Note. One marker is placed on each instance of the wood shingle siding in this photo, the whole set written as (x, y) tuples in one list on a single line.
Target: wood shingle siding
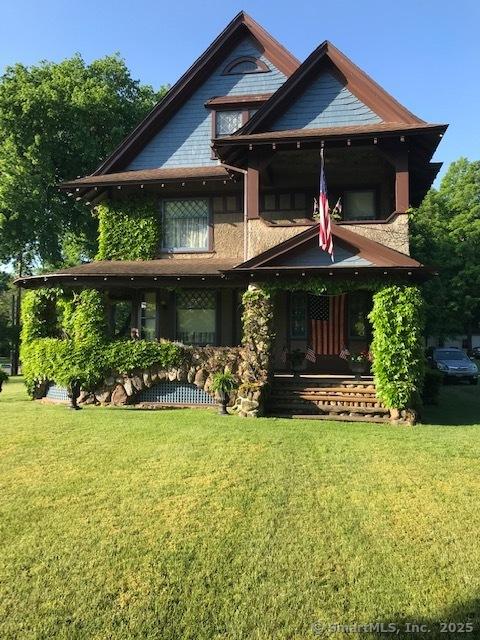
[(325, 103), (185, 139)]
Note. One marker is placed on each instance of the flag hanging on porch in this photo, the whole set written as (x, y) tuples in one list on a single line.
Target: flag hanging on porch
[(321, 212), (327, 318)]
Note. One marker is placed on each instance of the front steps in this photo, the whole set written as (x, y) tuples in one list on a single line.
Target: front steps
[(320, 398)]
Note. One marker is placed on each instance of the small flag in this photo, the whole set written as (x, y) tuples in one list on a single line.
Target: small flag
[(310, 354), (344, 353), (336, 213), (324, 228)]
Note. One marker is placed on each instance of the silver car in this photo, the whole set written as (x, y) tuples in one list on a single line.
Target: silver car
[(455, 365)]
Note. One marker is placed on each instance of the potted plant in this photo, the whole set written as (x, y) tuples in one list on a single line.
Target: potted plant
[(3, 378), (223, 384), (359, 363)]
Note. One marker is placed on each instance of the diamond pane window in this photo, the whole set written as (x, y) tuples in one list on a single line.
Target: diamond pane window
[(185, 225), (228, 122), (196, 316)]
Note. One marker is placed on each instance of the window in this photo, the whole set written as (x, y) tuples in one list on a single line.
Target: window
[(359, 205), (185, 225), (298, 315), (148, 316), (227, 204), (245, 64), (289, 201), (227, 122), (196, 316)]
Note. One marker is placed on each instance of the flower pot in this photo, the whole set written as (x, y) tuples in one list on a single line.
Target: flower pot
[(223, 399)]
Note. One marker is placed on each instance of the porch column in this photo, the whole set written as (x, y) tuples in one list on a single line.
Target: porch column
[(253, 191), (402, 196)]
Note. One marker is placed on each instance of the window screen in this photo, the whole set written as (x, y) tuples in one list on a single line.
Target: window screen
[(359, 205)]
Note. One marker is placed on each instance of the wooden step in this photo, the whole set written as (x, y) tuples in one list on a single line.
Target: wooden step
[(333, 418), (320, 397), (326, 408), (282, 389)]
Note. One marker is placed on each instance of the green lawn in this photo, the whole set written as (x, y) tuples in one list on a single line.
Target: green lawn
[(183, 524)]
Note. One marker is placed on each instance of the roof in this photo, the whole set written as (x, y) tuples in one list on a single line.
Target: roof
[(238, 99), (332, 132), (240, 26), (368, 253), (143, 270), (356, 80), (146, 176)]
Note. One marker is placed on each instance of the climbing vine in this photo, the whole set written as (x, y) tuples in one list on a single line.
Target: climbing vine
[(398, 359), (128, 229)]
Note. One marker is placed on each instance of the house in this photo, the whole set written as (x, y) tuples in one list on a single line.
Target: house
[(220, 178)]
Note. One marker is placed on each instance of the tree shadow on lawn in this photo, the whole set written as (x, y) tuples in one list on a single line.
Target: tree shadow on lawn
[(459, 404), (461, 620)]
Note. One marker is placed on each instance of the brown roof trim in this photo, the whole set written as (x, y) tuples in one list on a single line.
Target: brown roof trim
[(241, 25), (149, 176), (254, 98), (375, 252), (139, 271), (356, 80), (332, 133)]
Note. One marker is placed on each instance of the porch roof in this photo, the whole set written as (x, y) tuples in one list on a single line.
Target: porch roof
[(134, 273), (148, 176)]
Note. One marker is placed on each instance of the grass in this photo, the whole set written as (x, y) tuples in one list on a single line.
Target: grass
[(186, 525)]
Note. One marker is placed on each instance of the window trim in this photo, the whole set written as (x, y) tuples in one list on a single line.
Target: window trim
[(291, 192), (209, 247), (260, 66)]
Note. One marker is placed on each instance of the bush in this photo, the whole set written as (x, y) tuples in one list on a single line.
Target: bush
[(398, 360)]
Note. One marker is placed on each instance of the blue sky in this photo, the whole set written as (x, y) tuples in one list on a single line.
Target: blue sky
[(425, 52)]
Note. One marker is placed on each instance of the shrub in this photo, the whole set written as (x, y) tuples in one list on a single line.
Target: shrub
[(398, 360)]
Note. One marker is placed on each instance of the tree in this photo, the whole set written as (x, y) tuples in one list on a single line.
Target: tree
[(57, 122), (445, 233), (6, 331)]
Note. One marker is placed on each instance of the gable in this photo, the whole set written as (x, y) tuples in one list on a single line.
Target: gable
[(185, 140), (325, 102), (310, 255)]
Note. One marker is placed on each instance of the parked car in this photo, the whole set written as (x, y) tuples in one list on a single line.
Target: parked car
[(454, 364), (476, 352)]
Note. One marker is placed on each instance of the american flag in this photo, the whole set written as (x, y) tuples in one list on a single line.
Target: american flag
[(325, 239), (327, 317), (310, 354)]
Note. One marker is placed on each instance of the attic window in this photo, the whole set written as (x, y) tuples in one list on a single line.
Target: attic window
[(245, 64)]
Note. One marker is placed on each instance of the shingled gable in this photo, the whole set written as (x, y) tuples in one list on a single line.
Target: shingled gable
[(242, 25), (328, 58), (353, 251)]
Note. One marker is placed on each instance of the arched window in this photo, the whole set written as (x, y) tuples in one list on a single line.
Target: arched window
[(245, 64)]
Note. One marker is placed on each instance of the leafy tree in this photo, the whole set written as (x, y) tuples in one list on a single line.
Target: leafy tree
[(446, 234), (6, 331), (57, 122)]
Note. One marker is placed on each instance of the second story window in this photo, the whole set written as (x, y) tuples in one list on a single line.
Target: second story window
[(185, 225), (227, 122), (359, 204)]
